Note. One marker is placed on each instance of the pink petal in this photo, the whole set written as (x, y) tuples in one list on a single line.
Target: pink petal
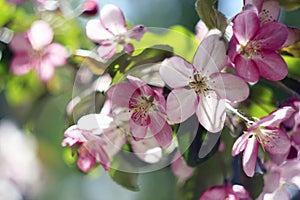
[(257, 3), (40, 34), (279, 142), (113, 19), (271, 65), (270, 11), (161, 130), (20, 43), (121, 93), (45, 70), (94, 122), (180, 168), (211, 112), (276, 117), (115, 140), (137, 131), (56, 54), (176, 72), (85, 161), (137, 32), (147, 149), (271, 35), (292, 37), (240, 192), (246, 69), (97, 32), (280, 193), (250, 156), (245, 26), (229, 87), (240, 144), (96, 150), (201, 30), (290, 172), (90, 7), (232, 48), (216, 192), (181, 104), (272, 181), (107, 51), (210, 56), (21, 64)]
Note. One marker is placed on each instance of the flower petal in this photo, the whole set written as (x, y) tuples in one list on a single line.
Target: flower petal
[(56, 54), (44, 69), (40, 34), (276, 117), (113, 19), (20, 64), (245, 26), (20, 43), (94, 122), (229, 87), (180, 168), (216, 192), (211, 112), (95, 149), (161, 130), (136, 32), (137, 131), (115, 140), (176, 71), (97, 32), (271, 65), (278, 143), (292, 37), (181, 104), (269, 12), (85, 161), (272, 35), (240, 144), (246, 69), (147, 149), (250, 156), (107, 51), (201, 30), (210, 56), (121, 93), (128, 48)]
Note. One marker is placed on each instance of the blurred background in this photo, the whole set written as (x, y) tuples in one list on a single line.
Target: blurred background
[(33, 164)]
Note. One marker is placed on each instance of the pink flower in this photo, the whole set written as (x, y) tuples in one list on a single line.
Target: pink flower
[(111, 31), (34, 50), (269, 11), (91, 146), (230, 192), (265, 132), (201, 87), (253, 48), (146, 107), (90, 7), (278, 177)]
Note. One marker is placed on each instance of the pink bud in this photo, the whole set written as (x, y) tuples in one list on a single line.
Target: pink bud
[(90, 8)]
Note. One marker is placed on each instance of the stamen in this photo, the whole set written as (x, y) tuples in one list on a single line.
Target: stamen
[(199, 84)]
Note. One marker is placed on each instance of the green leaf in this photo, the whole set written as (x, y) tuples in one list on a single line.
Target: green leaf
[(126, 178), (210, 15), (289, 4), (7, 12)]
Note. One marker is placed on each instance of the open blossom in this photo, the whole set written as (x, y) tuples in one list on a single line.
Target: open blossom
[(91, 146), (147, 108), (253, 48), (34, 50), (201, 87), (110, 31), (230, 192), (264, 132), (278, 178)]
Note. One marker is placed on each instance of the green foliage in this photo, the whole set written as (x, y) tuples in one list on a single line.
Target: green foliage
[(210, 15), (127, 179), (289, 4), (7, 12)]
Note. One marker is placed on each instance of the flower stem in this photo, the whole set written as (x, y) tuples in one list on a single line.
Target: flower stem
[(235, 111)]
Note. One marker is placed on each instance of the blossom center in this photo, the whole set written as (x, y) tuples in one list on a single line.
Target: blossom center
[(252, 48), (265, 137), (141, 108), (199, 84), (120, 39)]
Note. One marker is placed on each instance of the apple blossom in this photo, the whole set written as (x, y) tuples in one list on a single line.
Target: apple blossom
[(230, 192), (34, 50), (278, 177), (265, 132), (253, 48), (147, 108), (180, 168), (201, 87), (110, 31)]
